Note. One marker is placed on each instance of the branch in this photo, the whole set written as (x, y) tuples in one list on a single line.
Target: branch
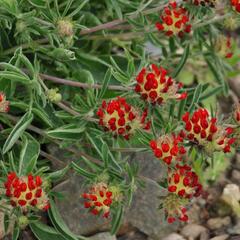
[(81, 85), (117, 22)]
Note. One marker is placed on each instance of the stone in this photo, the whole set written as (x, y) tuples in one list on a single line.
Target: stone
[(174, 236), (195, 231), (231, 195), (217, 223), (146, 200), (236, 176), (144, 205), (222, 237), (235, 229), (103, 236)]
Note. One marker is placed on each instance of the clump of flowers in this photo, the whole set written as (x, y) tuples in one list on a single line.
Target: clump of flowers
[(121, 118), (204, 131), (174, 208), (26, 191), (168, 148), (174, 20), (4, 104), (223, 46), (155, 86), (99, 199), (183, 185), (236, 5), (205, 3), (184, 182)]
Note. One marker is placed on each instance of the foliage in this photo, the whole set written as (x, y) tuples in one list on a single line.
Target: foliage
[(71, 69)]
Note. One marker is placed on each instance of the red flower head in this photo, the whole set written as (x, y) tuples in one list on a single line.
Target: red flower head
[(99, 199), (205, 3), (168, 148), (121, 118), (155, 86), (184, 182), (223, 46), (236, 5), (204, 131), (26, 192), (174, 208), (4, 105), (174, 20), (237, 113)]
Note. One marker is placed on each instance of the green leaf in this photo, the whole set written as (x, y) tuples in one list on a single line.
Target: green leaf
[(106, 81), (28, 156), (14, 77), (54, 176), (60, 225), (67, 134), (105, 151), (6, 222), (82, 171), (196, 97), (38, 3), (44, 232), (16, 232), (116, 221), (17, 131), (218, 76), (182, 62)]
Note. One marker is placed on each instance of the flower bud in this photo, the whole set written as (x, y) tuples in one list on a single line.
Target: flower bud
[(23, 222), (174, 20), (54, 96), (156, 87), (230, 23), (65, 28), (4, 104), (223, 46), (63, 54)]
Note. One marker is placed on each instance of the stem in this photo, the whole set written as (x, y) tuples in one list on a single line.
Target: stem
[(79, 84), (212, 20), (116, 22)]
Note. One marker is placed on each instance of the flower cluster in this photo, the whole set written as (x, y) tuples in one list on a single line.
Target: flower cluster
[(121, 118), (26, 191), (183, 184), (223, 46), (236, 5), (205, 3), (155, 86), (174, 208), (204, 131), (99, 199), (174, 20), (4, 104), (168, 148)]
